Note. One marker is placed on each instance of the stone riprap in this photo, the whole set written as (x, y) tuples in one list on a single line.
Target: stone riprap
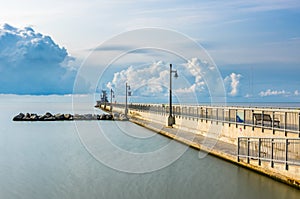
[(65, 117)]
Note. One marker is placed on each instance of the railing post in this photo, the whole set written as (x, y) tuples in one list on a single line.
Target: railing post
[(286, 153), (223, 116), (299, 125), (248, 150), (244, 119), (262, 121), (273, 118), (217, 115), (272, 153), (236, 124), (285, 123), (211, 115), (238, 149), (259, 148), (229, 121), (252, 111), (201, 113), (206, 114)]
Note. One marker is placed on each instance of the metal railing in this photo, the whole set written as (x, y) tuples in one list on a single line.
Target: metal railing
[(278, 119), (274, 150)]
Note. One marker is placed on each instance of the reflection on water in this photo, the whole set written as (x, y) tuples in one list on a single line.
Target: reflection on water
[(47, 160)]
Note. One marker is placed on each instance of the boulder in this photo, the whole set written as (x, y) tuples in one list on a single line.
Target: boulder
[(105, 117), (78, 117), (19, 117), (101, 117), (109, 117), (122, 117), (51, 118), (88, 116), (47, 116), (59, 116), (27, 117), (68, 117), (33, 117)]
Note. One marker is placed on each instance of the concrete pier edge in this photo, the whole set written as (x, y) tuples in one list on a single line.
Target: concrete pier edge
[(227, 157), (217, 153)]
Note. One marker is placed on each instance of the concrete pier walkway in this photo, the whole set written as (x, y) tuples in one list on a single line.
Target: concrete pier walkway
[(275, 153), (214, 147), (194, 140)]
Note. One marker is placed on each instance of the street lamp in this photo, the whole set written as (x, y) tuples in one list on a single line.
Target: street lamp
[(171, 118), (128, 93), (112, 95)]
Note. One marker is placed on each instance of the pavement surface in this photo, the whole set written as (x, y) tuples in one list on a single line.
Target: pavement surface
[(207, 144)]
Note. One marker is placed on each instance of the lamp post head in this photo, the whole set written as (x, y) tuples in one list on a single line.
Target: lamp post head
[(176, 75)]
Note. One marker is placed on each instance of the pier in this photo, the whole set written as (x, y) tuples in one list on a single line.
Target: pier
[(262, 139)]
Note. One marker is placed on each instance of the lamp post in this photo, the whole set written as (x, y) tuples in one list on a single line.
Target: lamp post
[(112, 95), (171, 118), (127, 91)]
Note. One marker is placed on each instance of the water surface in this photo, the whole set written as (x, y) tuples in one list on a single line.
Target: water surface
[(48, 160)]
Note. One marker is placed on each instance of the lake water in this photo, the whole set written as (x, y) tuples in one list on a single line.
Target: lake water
[(52, 160)]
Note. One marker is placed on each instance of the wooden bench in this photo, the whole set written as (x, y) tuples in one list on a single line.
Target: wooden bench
[(262, 118)]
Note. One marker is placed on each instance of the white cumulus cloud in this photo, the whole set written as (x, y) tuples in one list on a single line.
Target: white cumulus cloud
[(32, 63), (270, 92), (146, 80), (233, 80), (153, 80), (193, 67)]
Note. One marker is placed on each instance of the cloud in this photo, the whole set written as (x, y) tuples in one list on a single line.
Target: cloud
[(147, 81), (270, 92), (193, 67), (234, 80), (266, 5), (296, 93), (153, 79), (32, 63), (248, 95)]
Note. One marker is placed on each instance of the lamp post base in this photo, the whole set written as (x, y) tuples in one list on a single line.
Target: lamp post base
[(170, 121)]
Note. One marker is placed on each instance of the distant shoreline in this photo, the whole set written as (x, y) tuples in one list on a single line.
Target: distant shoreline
[(95, 96)]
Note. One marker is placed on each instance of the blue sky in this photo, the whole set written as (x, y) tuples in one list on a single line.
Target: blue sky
[(255, 44)]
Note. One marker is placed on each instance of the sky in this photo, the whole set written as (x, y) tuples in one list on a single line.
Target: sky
[(254, 44)]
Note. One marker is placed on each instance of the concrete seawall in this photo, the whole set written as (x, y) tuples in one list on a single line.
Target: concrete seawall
[(224, 136)]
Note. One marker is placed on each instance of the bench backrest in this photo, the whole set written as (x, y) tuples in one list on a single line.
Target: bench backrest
[(267, 117), (258, 117)]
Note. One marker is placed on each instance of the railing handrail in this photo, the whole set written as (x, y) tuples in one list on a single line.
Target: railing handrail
[(226, 108), (256, 137), (229, 115)]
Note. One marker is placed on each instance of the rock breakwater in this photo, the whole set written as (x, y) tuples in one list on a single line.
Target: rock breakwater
[(66, 116)]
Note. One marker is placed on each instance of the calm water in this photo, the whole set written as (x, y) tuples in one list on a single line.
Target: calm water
[(48, 160)]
